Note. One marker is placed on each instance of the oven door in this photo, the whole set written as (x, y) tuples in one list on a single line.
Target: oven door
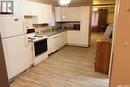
[(40, 47)]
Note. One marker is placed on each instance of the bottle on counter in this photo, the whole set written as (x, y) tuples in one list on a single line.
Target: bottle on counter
[(50, 29)]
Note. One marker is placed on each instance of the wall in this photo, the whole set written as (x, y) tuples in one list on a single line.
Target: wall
[(121, 59), (110, 18)]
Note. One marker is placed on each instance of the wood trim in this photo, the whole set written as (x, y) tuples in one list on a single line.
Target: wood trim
[(103, 4), (90, 24), (3, 72), (42, 1), (68, 22)]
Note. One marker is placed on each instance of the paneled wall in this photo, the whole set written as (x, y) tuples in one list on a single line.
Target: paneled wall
[(121, 59)]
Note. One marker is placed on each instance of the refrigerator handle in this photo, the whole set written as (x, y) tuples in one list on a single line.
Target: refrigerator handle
[(24, 27), (26, 41)]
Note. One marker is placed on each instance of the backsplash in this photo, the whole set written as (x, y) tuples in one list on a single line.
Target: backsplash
[(40, 25)]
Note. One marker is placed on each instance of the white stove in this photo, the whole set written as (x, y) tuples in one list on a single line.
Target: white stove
[(39, 47)]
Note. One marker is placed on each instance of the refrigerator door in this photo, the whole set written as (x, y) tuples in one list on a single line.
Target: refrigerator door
[(11, 26), (18, 57)]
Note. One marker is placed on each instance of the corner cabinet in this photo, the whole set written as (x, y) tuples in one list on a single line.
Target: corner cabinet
[(82, 14)]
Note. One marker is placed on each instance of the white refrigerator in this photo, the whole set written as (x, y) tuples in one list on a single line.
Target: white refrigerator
[(18, 54)]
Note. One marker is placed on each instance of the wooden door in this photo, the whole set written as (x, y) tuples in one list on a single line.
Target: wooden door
[(3, 72), (103, 14)]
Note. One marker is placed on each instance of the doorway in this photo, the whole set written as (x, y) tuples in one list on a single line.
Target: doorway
[(101, 36), (3, 72)]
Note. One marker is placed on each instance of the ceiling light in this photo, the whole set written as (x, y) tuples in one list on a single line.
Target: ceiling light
[(64, 2)]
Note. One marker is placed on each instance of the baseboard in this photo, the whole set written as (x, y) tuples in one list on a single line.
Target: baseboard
[(80, 45)]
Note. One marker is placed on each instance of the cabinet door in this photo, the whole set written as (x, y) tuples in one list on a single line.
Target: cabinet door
[(69, 37), (63, 38), (50, 45), (84, 35), (19, 4), (56, 39), (26, 8), (74, 13), (73, 37), (58, 14), (65, 13), (76, 37)]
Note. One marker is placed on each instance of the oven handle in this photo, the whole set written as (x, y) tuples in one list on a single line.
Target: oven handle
[(40, 40)]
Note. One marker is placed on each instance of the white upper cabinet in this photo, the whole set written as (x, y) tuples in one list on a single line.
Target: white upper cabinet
[(42, 13), (74, 13), (67, 14), (58, 15)]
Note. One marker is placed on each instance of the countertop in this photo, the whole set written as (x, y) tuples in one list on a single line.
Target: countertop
[(49, 33)]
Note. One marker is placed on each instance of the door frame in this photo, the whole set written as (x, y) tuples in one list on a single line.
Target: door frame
[(3, 71)]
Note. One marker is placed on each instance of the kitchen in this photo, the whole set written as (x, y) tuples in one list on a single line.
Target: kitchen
[(39, 30)]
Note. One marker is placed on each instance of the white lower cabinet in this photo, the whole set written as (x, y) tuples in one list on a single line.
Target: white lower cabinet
[(50, 45), (57, 41), (63, 37), (73, 37)]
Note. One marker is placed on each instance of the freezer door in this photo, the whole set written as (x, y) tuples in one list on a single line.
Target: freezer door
[(18, 57), (11, 26)]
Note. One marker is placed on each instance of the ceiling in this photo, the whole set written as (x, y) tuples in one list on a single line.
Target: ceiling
[(76, 2), (87, 2)]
